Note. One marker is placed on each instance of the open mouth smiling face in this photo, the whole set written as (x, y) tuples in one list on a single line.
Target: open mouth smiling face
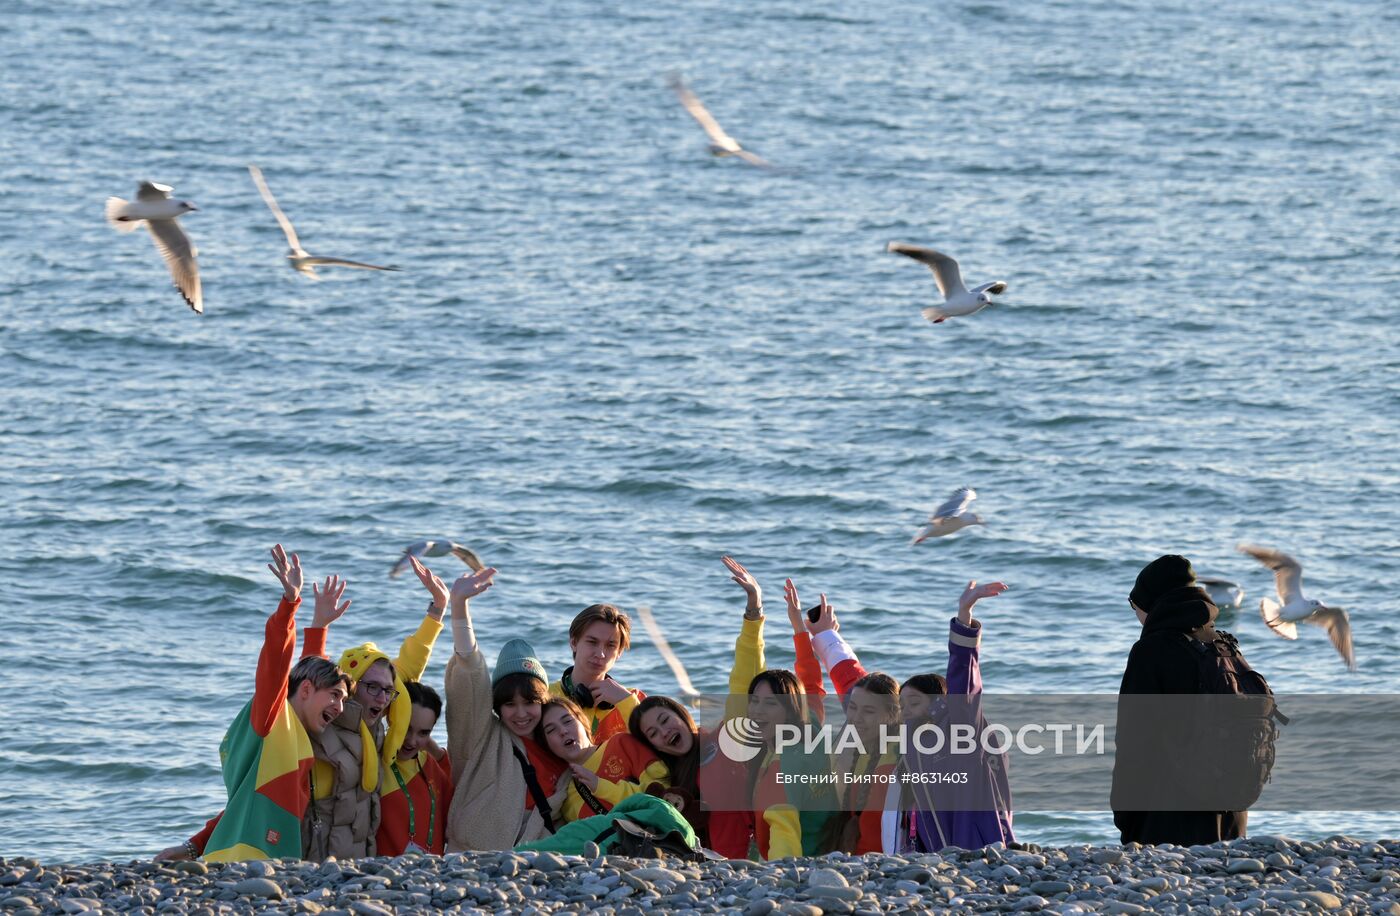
[(565, 735), (666, 732)]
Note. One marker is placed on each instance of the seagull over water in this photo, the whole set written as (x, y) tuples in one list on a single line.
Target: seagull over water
[(721, 144), (1293, 607), (958, 300), (437, 548), (1224, 594), (951, 516), (154, 207), (302, 261)]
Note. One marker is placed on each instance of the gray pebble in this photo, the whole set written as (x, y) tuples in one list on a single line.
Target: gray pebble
[(258, 887)]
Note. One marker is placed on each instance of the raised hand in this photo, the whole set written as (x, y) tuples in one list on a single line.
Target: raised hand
[(289, 574), (326, 612), (432, 583), (794, 607), (747, 582), (974, 593), (826, 619), (584, 775), (469, 585)]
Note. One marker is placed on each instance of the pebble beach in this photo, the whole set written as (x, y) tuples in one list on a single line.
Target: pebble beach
[(1263, 874)]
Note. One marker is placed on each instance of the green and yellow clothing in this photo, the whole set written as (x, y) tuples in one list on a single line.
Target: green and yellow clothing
[(266, 758)]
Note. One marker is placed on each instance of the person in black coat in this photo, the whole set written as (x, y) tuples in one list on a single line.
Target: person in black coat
[(1170, 605)]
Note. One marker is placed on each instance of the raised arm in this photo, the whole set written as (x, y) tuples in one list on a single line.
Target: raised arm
[(467, 684), (805, 666), (835, 653), (748, 649), (413, 655), (965, 640), (327, 610), (279, 644)]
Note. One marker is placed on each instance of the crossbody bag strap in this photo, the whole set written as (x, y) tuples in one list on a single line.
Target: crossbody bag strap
[(532, 782)]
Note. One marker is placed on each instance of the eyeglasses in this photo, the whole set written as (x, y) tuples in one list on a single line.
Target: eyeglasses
[(379, 690)]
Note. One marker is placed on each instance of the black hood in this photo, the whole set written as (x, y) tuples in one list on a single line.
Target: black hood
[(1183, 609)]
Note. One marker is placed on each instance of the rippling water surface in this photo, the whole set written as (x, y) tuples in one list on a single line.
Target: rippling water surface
[(614, 359)]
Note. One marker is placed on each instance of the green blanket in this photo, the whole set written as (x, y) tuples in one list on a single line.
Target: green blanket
[(649, 811)]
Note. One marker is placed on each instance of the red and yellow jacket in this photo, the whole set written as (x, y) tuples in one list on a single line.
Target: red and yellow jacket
[(625, 766), (603, 721), (413, 801)]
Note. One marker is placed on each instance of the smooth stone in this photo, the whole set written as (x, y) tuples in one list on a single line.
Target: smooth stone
[(1156, 883), (1107, 856), (190, 867), (1031, 903), (760, 907), (1051, 888), (921, 875), (548, 861), (366, 908), (1099, 881), (258, 887), (1324, 900), (1120, 906), (260, 869), (851, 894), (826, 877), (1244, 866), (1278, 860), (659, 874)]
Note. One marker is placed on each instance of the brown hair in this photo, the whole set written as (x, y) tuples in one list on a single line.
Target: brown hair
[(685, 769), (879, 682), (607, 613), (568, 706), (935, 685), (322, 673), (788, 689), (518, 685)]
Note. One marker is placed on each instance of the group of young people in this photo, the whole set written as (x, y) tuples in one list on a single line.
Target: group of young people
[(337, 759)]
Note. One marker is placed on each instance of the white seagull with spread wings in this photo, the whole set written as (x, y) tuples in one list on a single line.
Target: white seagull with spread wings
[(721, 144), (951, 516), (302, 261), (437, 548), (1292, 608), (154, 207), (958, 300)]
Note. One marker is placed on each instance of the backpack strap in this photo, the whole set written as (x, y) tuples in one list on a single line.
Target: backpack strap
[(532, 783)]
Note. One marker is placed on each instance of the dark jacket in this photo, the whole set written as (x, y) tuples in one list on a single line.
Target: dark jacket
[(1162, 662)]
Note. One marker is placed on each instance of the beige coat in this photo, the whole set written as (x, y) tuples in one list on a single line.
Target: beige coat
[(488, 804), (344, 823)]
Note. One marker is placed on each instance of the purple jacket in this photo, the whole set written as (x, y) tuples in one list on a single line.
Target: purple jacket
[(925, 824)]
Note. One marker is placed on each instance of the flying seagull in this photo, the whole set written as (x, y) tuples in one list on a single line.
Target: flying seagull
[(1224, 594), (950, 516), (302, 261), (438, 548), (154, 207), (957, 300), (1284, 615), (721, 144), (682, 677)]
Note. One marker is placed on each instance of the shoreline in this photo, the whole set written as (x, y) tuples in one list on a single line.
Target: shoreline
[(1255, 874)]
